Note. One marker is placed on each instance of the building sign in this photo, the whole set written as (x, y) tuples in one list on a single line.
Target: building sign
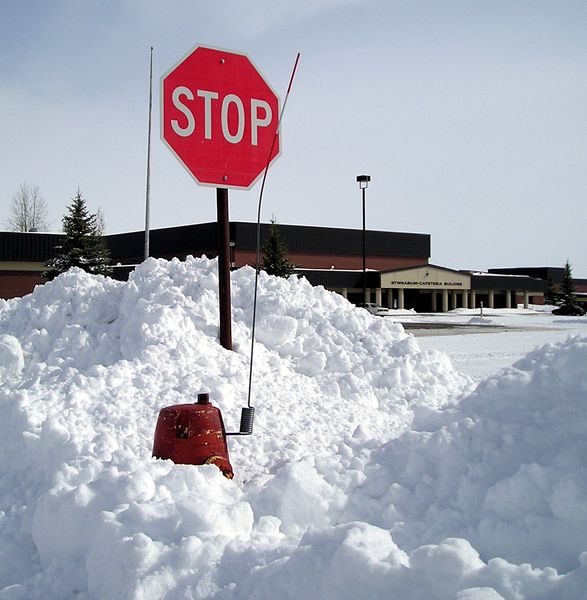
[(427, 277), (429, 283)]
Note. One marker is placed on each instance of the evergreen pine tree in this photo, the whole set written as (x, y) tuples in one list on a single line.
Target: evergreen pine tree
[(550, 293), (275, 260), (567, 289), (83, 245)]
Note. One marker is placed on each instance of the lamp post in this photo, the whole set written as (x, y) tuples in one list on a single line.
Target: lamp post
[(363, 181)]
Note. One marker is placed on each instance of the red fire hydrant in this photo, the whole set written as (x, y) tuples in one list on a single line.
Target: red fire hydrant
[(193, 434)]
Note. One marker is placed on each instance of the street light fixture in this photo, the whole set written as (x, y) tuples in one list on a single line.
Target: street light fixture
[(363, 181)]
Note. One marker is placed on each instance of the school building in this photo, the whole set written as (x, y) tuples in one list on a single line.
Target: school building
[(398, 269)]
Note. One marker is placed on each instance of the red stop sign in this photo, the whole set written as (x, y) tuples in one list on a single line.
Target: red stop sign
[(219, 117)]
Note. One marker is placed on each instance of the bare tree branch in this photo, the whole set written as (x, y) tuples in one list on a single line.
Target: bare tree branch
[(28, 211), (100, 222)]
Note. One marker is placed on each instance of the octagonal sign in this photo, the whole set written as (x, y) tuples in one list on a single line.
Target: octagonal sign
[(219, 117)]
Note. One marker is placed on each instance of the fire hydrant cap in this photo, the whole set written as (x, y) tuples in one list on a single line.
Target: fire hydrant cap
[(204, 398)]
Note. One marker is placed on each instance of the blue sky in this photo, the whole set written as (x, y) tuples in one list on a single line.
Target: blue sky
[(469, 116)]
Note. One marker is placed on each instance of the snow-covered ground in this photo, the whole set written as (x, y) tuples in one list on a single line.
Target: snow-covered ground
[(485, 344), (377, 469)]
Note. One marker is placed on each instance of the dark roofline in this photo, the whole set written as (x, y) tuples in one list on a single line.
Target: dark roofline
[(165, 242), (507, 281), (201, 238), (338, 279), (545, 273), (555, 274), (28, 246), (335, 240)]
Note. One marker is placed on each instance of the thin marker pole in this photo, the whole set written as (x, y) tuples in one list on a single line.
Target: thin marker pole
[(148, 190), (258, 256)]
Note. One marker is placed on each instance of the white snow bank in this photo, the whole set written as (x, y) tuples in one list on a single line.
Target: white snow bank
[(11, 357), (512, 476), (365, 477)]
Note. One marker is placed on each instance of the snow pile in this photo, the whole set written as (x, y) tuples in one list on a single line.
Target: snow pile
[(512, 478), (374, 471), (481, 321)]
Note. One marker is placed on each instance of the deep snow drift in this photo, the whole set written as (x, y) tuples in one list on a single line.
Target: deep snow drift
[(375, 470)]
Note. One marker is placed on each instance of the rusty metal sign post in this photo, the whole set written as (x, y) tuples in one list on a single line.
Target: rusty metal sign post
[(225, 306)]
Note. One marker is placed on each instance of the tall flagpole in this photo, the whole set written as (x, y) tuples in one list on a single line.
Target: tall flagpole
[(148, 190)]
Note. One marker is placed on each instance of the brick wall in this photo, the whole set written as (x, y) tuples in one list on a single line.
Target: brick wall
[(18, 283), (308, 260)]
